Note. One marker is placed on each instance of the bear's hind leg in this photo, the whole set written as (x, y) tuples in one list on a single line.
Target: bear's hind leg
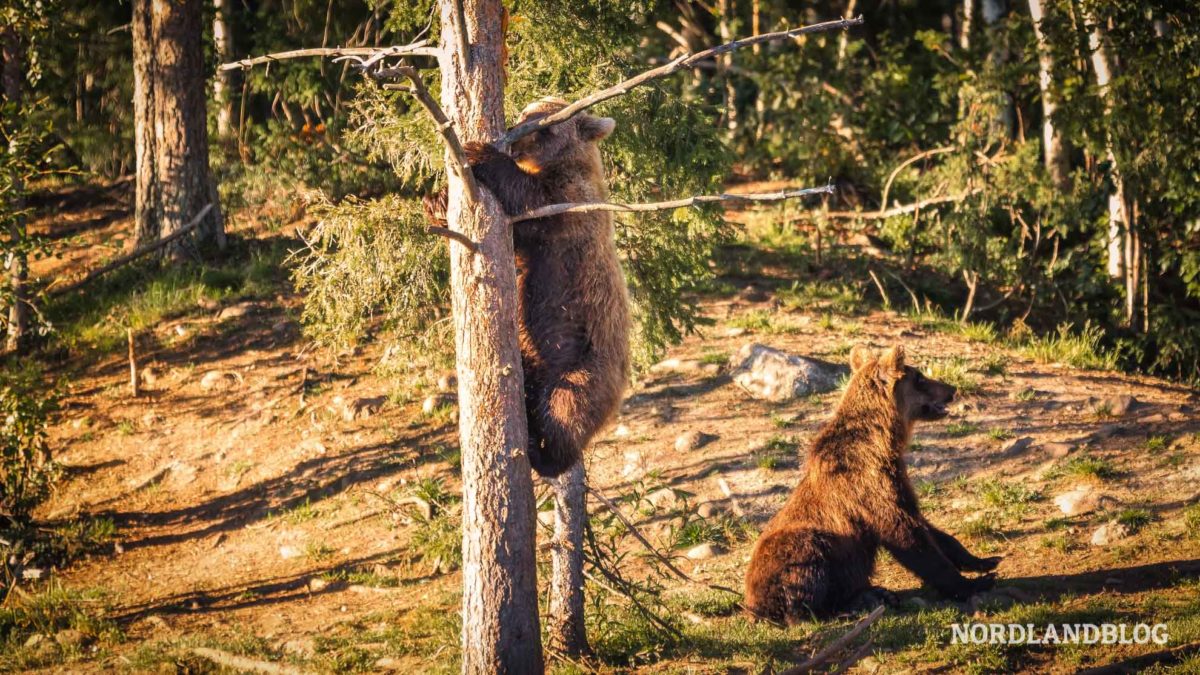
[(564, 415)]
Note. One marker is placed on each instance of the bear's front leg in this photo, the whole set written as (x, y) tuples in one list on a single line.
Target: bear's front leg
[(911, 543), (959, 555)]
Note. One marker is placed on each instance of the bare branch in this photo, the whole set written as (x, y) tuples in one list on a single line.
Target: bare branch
[(900, 210), (822, 657), (456, 236), (915, 158), (133, 255), (419, 48), (680, 63), (458, 156), (590, 207)]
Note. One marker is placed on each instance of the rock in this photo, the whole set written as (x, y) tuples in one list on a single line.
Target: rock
[(621, 431), (704, 551), (1016, 446), (236, 311), (317, 584), (432, 403), (1156, 418), (448, 382), (676, 366), (69, 637), (219, 380), (1058, 450), (663, 498), (388, 663), (1109, 533), (148, 377), (281, 326), (1108, 431), (289, 552), (692, 440), (152, 419), (752, 293), (736, 331), (34, 639), (709, 510), (635, 466), (303, 647), (773, 375), (1117, 405), (362, 408), (1083, 499)]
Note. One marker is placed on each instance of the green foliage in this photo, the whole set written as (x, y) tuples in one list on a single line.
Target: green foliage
[(1079, 350), (26, 469)]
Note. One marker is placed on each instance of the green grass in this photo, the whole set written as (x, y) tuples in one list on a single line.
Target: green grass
[(962, 428), (438, 540), (1024, 395), (995, 365), (1134, 519), (998, 434), (979, 332), (814, 295), (318, 551), (715, 358), (955, 372), (1078, 350), (999, 494), (1084, 466), (1157, 443), (45, 613), (1191, 521), (778, 451)]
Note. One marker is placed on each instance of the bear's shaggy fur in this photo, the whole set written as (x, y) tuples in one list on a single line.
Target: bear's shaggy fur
[(574, 313), (818, 553)]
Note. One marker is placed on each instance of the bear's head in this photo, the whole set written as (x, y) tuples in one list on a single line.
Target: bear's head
[(571, 143), (914, 396)]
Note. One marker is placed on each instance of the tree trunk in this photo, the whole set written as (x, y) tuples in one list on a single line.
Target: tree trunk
[(170, 124), (223, 84), (501, 632), (725, 64), (993, 12), (1117, 222), (964, 35), (1054, 148), (18, 261), (567, 630)]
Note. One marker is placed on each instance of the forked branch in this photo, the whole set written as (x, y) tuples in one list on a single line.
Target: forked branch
[(682, 62), (591, 207), (458, 156)]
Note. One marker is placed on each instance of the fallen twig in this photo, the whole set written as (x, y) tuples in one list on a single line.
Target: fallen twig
[(823, 656), (418, 48), (244, 663)]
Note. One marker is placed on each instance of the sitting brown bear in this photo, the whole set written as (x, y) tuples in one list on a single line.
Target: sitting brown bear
[(818, 553)]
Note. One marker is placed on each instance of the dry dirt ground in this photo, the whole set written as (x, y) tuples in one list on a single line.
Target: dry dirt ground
[(256, 495)]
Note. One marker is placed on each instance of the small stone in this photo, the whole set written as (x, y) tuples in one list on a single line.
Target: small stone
[(289, 552), (1156, 418), (709, 510), (148, 377), (752, 293), (152, 419), (1108, 431), (181, 331), (362, 408), (1082, 499), (70, 637), (736, 331), (1016, 446), (770, 374), (1110, 533), (621, 431), (634, 467), (303, 647), (1058, 450), (674, 365), (664, 498), (218, 380), (34, 639), (693, 440), (448, 382), (704, 551), (432, 403), (1117, 405), (387, 663), (236, 311), (317, 584)]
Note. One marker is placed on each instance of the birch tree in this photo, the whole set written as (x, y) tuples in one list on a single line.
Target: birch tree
[(1054, 147)]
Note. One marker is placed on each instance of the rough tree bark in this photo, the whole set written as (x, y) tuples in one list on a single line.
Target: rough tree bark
[(964, 34), (223, 83), (1117, 222), (500, 614), (17, 262), (993, 12), (567, 630), (1054, 147), (170, 123)]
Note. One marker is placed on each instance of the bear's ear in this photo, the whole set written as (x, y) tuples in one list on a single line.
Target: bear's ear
[(860, 356), (892, 360), (595, 128)]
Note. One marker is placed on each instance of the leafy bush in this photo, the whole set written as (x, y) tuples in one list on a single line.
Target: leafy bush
[(26, 469)]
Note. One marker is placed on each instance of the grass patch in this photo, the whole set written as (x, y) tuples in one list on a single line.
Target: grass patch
[(1078, 350), (998, 434), (955, 372), (715, 358), (961, 428), (1084, 466), (1191, 521), (28, 627), (778, 451), (814, 295), (1157, 443), (1134, 519)]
